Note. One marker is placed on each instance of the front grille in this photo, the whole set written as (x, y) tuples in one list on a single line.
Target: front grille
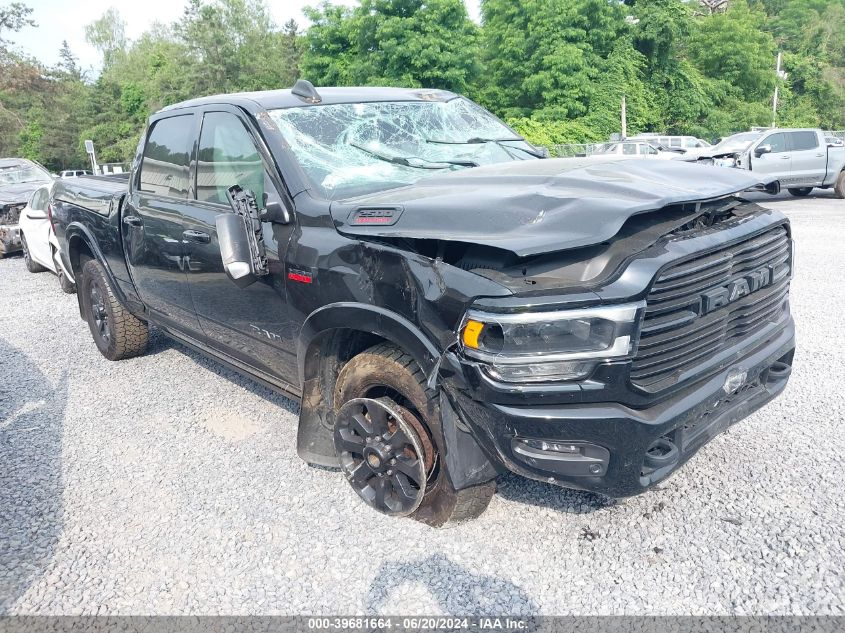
[(678, 335)]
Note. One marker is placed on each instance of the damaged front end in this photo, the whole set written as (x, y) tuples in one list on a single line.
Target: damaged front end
[(10, 236)]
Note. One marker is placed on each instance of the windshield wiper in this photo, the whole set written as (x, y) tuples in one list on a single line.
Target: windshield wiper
[(407, 161), (477, 140)]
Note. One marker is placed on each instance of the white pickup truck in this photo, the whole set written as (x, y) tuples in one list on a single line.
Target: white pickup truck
[(800, 159)]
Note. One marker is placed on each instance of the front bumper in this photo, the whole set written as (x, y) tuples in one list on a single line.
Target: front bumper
[(10, 239), (622, 451)]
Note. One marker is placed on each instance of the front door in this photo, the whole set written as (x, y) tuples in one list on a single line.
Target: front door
[(153, 222), (249, 324), (776, 163)]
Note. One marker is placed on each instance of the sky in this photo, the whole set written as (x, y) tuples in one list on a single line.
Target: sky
[(66, 19)]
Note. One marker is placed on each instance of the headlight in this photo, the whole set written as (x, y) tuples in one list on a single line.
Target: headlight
[(544, 346)]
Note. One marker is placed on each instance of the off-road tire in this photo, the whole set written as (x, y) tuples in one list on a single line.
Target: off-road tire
[(31, 265), (800, 192), (386, 370), (67, 286), (128, 335), (839, 187)]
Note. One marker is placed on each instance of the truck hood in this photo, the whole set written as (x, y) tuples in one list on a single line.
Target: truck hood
[(537, 206)]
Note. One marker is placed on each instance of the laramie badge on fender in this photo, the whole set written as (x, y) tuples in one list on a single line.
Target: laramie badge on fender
[(721, 296)]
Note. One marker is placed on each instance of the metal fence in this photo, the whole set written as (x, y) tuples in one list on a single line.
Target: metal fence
[(575, 149)]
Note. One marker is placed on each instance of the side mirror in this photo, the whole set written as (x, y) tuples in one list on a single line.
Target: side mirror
[(241, 238), (235, 249), (763, 149)]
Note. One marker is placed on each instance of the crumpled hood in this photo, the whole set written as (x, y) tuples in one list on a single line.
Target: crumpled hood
[(539, 206), (20, 192)]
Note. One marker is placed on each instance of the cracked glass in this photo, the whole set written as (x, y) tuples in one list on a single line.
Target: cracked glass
[(354, 149)]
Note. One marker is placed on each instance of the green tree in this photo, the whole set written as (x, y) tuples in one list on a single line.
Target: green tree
[(414, 43)]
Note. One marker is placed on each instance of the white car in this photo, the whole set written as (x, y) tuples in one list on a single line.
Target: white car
[(74, 173), (40, 246), (620, 150)]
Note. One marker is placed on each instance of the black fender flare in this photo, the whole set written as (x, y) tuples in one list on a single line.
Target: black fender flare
[(74, 233), (371, 319)]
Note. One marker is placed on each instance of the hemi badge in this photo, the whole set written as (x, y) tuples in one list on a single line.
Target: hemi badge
[(300, 276)]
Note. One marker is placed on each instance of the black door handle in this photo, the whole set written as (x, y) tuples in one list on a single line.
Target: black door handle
[(132, 220), (196, 236)]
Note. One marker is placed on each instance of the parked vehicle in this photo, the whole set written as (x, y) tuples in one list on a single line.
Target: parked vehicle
[(726, 147), (38, 239), (630, 149), (674, 142), (446, 305), (19, 177), (800, 159), (74, 173)]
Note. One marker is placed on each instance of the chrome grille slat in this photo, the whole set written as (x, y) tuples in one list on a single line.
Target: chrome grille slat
[(675, 337)]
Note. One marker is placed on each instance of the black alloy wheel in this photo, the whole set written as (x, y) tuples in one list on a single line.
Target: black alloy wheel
[(100, 313), (382, 454)]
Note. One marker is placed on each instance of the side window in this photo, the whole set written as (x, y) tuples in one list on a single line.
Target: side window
[(674, 142), (777, 141), (167, 155), (629, 149), (227, 156), (803, 140), (37, 199)]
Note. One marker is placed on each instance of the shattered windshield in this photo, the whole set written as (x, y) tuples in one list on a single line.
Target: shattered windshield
[(354, 149), (737, 142), (21, 174)]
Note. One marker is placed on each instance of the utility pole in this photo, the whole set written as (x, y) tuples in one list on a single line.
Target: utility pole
[(624, 119), (779, 76)]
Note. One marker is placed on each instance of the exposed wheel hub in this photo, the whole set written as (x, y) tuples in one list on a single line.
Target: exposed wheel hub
[(382, 453)]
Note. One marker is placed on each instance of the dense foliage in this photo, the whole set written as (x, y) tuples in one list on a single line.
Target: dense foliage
[(555, 69)]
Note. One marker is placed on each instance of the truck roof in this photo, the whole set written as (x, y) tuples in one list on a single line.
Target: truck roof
[(274, 99)]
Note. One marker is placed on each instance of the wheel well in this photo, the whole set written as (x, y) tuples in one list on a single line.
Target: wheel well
[(78, 253), (331, 350), (326, 355)]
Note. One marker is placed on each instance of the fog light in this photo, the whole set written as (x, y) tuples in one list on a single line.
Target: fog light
[(556, 447)]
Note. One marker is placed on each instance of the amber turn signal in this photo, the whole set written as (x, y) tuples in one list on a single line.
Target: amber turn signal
[(472, 330)]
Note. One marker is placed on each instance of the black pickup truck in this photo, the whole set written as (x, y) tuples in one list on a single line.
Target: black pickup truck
[(446, 305)]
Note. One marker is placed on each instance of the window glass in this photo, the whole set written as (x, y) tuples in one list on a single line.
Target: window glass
[(629, 148), (39, 200), (227, 156), (351, 149), (804, 140), (777, 141), (674, 142), (164, 169)]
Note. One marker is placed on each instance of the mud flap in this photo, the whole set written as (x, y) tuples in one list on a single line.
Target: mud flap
[(466, 463)]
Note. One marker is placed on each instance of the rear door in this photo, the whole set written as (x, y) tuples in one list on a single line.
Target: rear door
[(778, 162), (153, 221), (36, 226), (249, 324), (809, 159)]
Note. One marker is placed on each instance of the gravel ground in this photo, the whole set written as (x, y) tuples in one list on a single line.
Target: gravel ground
[(168, 485)]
